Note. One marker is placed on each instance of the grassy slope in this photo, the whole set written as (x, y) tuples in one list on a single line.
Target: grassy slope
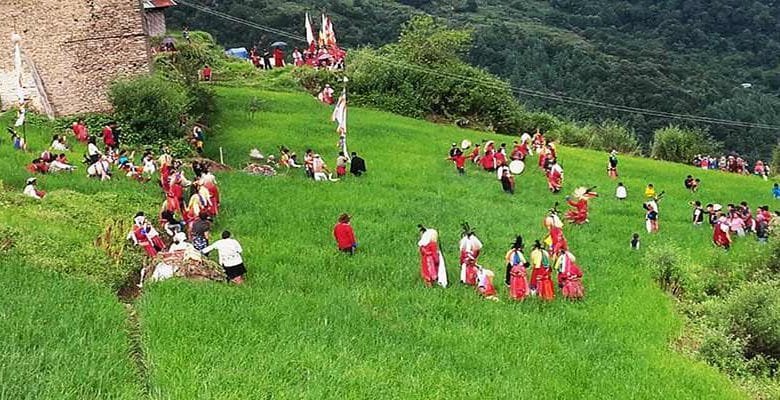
[(312, 323), (61, 337)]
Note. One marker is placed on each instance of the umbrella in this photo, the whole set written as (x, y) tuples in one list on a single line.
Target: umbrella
[(278, 44), (168, 40)]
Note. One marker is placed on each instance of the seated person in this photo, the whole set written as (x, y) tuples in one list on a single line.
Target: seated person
[(38, 167), (58, 144), (60, 163)]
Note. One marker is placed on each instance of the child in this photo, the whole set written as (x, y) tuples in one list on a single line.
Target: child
[(776, 191), (635, 241), (345, 235), (695, 185), (650, 191), (651, 218), (698, 214), (508, 181), (621, 192)]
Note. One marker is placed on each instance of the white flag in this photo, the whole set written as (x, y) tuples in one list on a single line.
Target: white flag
[(309, 31)]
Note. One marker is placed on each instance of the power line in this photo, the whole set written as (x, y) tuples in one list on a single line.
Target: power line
[(514, 89)]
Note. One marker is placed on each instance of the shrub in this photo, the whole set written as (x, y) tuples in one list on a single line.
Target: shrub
[(150, 107), (611, 135), (752, 314), (665, 263), (681, 145), (776, 160)]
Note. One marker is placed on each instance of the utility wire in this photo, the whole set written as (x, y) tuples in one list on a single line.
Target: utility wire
[(505, 86)]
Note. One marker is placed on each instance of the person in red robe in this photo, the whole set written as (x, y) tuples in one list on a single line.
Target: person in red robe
[(278, 57), (541, 283), (516, 271), (721, 233), (108, 137), (488, 161), (460, 162), (80, 131), (555, 177), (569, 276), (345, 235), (140, 235), (554, 226), (579, 214), (485, 286), (474, 156), (206, 73), (429, 255)]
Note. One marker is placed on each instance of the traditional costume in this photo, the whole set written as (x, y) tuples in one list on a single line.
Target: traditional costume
[(516, 265), (432, 267), (326, 95), (485, 286), (569, 277), (470, 247), (720, 233), (579, 213), (540, 283), (612, 165), (555, 177), (554, 226)]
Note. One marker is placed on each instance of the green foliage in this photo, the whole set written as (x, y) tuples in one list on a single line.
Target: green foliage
[(668, 268), (611, 135), (424, 41), (775, 160), (752, 314), (151, 107), (428, 88), (681, 145)]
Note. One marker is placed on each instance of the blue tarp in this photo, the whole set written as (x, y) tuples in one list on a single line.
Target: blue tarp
[(240, 52)]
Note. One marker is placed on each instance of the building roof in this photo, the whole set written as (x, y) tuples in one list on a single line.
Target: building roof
[(153, 4)]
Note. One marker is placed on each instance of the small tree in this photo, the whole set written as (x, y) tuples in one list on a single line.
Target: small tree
[(776, 160), (681, 145), (151, 107)]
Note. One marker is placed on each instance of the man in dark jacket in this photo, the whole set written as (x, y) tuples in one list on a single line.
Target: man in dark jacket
[(357, 165)]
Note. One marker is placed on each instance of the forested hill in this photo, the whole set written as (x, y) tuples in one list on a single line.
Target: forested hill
[(682, 56)]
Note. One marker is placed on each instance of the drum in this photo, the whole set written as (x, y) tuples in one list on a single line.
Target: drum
[(516, 167), (465, 144)]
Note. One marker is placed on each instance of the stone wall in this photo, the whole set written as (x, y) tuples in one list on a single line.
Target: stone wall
[(77, 46), (155, 22)]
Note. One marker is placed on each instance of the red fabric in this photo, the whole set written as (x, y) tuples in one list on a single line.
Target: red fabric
[(559, 242), (579, 214), (554, 180), (214, 193), (429, 262), (143, 241), (278, 58), (518, 286), (544, 284), (500, 158), (80, 132), (488, 161), (488, 290), (341, 171), (471, 274), (108, 137), (207, 73), (474, 154), (345, 235), (719, 237), (460, 160)]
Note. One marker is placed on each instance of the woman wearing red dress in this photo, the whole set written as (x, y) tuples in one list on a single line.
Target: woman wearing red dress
[(516, 275), (429, 255), (569, 277), (345, 235)]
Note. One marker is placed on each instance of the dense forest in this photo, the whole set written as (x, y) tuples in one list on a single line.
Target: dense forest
[(680, 56)]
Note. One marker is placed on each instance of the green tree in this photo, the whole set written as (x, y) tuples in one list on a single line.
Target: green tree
[(681, 145)]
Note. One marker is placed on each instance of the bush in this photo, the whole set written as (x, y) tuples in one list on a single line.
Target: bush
[(776, 160), (610, 135), (667, 270), (681, 145), (752, 314), (150, 107)]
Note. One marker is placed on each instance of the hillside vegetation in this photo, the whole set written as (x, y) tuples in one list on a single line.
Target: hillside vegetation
[(313, 323), (681, 57)]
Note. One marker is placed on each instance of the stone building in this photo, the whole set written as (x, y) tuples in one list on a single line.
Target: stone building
[(154, 16), (72, 51)]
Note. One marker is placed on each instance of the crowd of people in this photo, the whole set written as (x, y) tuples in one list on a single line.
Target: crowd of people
[(312, 163), (731, 163), (189, 206)]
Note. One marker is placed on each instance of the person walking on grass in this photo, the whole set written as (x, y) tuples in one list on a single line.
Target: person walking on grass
[(229, 257), (516, 265), (345, 235), (432, 267)]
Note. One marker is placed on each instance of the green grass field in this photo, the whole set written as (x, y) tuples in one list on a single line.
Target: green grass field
[(312, 323)]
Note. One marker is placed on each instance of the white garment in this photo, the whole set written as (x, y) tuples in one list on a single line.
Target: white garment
[(30, 191), (58, 146), (57, 166), (500, 171), (321, 176), (229, 252), (92, 150), (149, 166), (620, 192), (442, 275), (525, 138)]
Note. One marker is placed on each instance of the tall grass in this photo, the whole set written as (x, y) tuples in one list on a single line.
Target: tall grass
[(312, 323)]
